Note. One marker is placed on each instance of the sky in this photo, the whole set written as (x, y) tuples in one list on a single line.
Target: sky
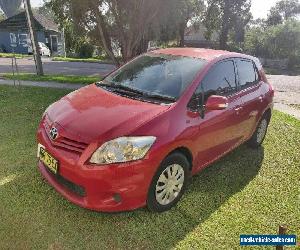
[(259, 8)]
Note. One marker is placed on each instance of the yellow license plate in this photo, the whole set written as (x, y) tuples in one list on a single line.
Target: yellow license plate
[(49, 161)]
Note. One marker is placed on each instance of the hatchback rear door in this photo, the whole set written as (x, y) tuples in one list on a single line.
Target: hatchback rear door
[(251, 99)]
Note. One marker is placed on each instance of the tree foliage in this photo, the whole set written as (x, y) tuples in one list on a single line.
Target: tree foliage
[(276, 42), (225, 16), (127, 24), (2, 16), (282, 11)]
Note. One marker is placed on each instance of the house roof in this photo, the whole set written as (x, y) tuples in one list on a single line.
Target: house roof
[(47, 23), (19, 22)]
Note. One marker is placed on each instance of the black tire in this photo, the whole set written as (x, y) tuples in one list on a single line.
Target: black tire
[(256, 140), (174, 158)]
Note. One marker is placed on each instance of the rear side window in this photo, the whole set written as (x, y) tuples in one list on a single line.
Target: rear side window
[(248, 73)]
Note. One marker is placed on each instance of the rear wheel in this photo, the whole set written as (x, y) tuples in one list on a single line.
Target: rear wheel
[(169, 183), (260, 133)]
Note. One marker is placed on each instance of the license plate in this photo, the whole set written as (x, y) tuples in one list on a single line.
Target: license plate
[(49, 161)]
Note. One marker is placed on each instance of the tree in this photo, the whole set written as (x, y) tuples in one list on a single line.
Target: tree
[(10, 7), (129, 24), (185, 11), (275, 42), (282, 11), (227, 15), (2, 16)]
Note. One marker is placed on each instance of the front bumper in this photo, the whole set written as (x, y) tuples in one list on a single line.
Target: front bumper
[(113, 188)]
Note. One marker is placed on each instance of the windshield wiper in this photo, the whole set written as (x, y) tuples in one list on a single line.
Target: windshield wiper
[(119, 87), (160, 97), (132, 91)]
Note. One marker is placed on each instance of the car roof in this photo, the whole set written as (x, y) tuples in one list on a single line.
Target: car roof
[(205, 54)]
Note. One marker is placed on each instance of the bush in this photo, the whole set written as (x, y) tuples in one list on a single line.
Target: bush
[(85, 50), (293, 61), (275, 42)]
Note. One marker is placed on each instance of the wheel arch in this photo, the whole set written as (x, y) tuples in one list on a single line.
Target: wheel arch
[(186, 152), (268, 113)]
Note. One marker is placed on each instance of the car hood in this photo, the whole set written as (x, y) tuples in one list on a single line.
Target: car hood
[(92, 113)]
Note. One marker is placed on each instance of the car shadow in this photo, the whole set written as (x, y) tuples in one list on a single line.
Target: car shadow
[(207, 192)]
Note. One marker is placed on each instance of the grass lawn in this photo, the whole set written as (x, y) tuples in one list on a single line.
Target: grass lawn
[(247, 192), (9, 55), (53, 78), (89, 60)]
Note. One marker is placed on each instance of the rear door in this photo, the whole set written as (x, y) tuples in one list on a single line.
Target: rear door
[(251, 100), (219, 130)]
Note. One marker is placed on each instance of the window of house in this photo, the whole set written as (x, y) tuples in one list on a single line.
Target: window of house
[(248, 73), (13, 38), (23, 39)]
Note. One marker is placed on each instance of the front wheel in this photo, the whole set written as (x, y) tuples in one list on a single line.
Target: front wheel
[(260, 133), (169, 183)]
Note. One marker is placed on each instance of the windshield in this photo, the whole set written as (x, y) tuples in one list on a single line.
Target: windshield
[(158, 74)]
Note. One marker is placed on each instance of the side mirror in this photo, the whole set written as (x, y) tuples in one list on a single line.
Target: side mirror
[(216, 102)]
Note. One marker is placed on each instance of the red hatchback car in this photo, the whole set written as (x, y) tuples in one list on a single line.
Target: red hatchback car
[(136, 137)]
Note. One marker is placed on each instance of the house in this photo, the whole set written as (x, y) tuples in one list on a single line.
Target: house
[(15, 37), (195, 37)]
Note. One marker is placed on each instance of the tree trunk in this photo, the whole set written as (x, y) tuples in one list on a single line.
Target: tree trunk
[(182, 28), (104, 39), (225, 25), (34, 42)]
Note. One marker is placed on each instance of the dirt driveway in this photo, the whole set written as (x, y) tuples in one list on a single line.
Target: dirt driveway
[(287, 92)]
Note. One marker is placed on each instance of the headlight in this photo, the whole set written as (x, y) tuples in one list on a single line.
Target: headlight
[(123, 149)]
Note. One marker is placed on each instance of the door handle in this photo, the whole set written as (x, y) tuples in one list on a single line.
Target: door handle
[(261, 98)]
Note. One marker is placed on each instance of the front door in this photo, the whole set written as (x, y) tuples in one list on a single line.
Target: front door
[(54, 43), (219, 130)]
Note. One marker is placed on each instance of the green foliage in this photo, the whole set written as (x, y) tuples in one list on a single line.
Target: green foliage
[(2, 16), (225, 17), (282, 11), (84, 50), (275, 42), (113, 23), (53, 78), (10, 55), (247, 191), (98, 59)]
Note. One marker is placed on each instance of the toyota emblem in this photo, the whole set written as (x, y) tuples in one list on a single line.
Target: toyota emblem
[(53, 133)]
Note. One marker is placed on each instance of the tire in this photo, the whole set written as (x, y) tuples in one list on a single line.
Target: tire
[(260, 133), (169, 183)]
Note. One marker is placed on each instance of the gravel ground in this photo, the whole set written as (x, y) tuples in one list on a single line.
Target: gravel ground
[(287, 92)]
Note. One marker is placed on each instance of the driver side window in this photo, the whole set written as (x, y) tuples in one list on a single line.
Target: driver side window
[(220, 80)]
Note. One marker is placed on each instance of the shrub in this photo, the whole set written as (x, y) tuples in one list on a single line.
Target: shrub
[(85, 50)]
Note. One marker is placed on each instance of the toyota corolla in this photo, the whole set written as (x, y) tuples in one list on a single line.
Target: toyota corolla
[(135, 138)]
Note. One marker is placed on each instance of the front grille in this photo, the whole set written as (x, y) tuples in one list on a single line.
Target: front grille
[(64, 142), (80, 191)]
